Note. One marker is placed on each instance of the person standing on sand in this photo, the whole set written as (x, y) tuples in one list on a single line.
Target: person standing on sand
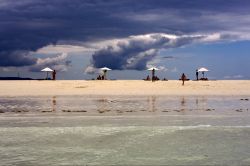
[(197, 75), (183, 78), (54, 75)]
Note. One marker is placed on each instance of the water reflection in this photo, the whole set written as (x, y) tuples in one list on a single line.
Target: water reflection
[(152, 104), (201, 103), (117, 105), (54, 104), (183, 105), (103, 105), (183, 102)]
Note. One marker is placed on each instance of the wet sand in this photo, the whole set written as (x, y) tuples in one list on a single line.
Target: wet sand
[(123, 87)]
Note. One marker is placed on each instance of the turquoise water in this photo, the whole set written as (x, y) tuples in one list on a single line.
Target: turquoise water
[(125, 130)]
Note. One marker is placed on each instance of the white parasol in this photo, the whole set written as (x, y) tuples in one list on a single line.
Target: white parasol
[(203, 70), (153, 69), (47, 69), (105, 69)]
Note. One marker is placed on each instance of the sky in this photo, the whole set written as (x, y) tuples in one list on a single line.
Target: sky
[(77, 37)]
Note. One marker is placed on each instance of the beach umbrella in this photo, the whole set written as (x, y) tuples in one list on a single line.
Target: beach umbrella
[(105, 69), (203, 70), (153, 69), (47, 69)]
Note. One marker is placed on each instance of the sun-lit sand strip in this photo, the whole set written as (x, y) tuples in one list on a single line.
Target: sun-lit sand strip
[(123, 87)]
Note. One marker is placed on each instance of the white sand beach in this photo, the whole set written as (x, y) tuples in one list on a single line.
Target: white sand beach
[(123, 87)]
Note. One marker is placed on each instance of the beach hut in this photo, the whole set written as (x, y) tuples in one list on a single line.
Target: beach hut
[(153, 69), (105, 69), (47, 70), (203, 70)]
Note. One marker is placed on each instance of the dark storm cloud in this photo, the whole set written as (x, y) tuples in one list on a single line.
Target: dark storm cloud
[(132, 53), (136, 51), (28, 25), (16, 58)]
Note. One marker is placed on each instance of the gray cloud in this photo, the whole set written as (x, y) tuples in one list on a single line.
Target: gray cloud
[(135, 52), (16, 58), (58, 63)]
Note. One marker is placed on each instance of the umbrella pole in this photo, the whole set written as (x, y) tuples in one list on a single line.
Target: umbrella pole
[(153, 74), (47, 75), (105, 74)]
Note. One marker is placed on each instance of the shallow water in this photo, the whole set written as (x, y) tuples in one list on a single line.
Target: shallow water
[(125, 130), (127, 105)]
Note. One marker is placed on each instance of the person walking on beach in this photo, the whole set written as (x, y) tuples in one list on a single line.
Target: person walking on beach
[(183, 78), (197, 75), (54, 75)]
